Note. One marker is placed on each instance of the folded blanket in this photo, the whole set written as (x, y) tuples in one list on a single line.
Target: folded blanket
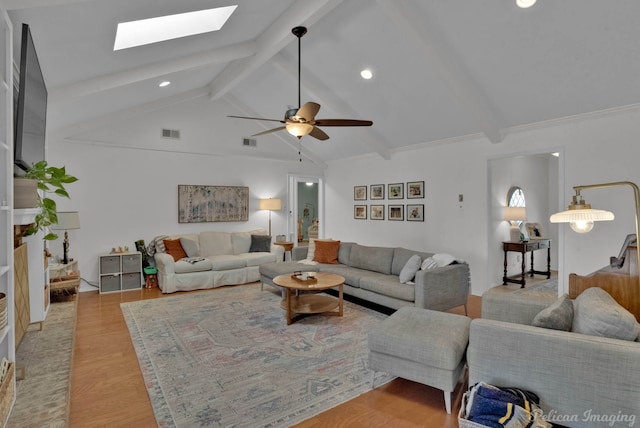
[(504, 407)]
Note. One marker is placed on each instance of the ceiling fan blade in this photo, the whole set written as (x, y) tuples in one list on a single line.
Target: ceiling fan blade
[(318, 133), (269, 131), (308, 111), (258, 118), (343, 122)]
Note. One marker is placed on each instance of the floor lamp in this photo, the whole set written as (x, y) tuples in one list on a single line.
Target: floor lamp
[(581, 216), (271, 205)]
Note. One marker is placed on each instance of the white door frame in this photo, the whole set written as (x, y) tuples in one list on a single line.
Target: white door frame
[(292, 220)]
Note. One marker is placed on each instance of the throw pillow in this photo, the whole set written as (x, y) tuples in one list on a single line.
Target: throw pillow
[(190, 247), (428, 263), (260, 244), (598, 314), (558, 316), (326, 252), (410, 268), (174, 249)]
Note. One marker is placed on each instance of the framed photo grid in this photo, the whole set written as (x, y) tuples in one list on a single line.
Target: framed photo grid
[(394, 192)]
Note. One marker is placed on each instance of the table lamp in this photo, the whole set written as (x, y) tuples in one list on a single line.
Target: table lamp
[(67, 220), (271, 204), (513, 215)]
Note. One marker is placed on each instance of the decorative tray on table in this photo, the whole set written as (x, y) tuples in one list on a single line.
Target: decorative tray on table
[(304, 277)]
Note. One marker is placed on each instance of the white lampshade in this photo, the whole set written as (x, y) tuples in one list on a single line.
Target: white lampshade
[(67, 220), (272, 204), (515, 213), (299, 129)]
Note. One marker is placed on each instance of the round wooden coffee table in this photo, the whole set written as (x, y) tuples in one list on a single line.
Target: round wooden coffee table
[(301, 299)]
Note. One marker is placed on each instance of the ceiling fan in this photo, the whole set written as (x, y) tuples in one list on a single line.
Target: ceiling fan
[(302, 121)]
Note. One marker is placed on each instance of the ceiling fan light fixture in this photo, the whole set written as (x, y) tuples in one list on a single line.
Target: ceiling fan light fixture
[(523, 4), (299, 129)]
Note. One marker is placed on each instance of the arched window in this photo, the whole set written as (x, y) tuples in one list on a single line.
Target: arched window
[(515, 198)]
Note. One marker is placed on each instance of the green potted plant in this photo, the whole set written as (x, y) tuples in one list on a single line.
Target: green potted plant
[(50, 179)]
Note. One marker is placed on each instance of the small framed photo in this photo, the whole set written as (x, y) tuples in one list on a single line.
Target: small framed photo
[(359, 193), (377, 212), (396, 191), (360, 212), (415, 189), (396, 212), (415, 212), (377, 191)]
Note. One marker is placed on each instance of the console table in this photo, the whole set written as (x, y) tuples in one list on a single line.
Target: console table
[(524, 247)]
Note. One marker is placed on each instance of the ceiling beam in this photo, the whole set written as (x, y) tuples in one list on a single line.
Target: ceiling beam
[(245, 110), (426, 34), (270, 42), (151, 71), (320, 93)]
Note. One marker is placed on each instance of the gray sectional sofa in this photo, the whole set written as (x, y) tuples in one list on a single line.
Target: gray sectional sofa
[(372, 274)]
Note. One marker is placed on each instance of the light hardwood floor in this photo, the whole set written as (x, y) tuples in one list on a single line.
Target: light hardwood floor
[(107, 388)]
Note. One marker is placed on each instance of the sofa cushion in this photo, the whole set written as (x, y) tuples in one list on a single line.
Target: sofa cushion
[(327, 252), (558, 316), (227, 262), (190, 247), (182, 266), (174, 249), (352, 276), (598, 314), (376, 259), (215, 243), (257, 258), (388, 285), (344, 252), (410, 268), (260, 244)]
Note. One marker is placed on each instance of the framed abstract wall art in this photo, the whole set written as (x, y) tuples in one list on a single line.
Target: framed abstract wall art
[(359, 193), (377, 191), (203, 204), (377, 212)]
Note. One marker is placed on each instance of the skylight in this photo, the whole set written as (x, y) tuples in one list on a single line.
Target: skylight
[(153, 30)]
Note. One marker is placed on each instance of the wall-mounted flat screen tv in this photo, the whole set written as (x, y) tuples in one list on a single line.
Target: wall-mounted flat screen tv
[(30, 108)]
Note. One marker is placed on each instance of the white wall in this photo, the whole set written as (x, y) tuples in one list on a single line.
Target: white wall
[(128, 178), (128, 194), (601, 148)]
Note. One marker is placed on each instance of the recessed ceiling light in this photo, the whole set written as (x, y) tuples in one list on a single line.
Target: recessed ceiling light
[(164, 83), (366, 74), (525, 3), (152, 30)]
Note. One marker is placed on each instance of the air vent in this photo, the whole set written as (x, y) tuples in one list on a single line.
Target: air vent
[(171, 133), (249, 142)]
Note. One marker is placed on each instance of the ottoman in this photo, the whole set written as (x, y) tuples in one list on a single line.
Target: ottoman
[(423, 346)]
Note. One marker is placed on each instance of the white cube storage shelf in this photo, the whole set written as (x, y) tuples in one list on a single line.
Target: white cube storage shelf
[(120, 272)]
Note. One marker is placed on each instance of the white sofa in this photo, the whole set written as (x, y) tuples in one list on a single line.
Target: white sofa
[(223, 259)]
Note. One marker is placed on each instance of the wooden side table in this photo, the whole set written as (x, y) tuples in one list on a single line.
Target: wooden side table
[(288, 246), (524, 247)]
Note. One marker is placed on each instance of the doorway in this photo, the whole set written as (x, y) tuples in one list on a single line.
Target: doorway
[(540, 176), (306, 202)]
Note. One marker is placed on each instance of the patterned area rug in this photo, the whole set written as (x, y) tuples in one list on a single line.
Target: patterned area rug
[(226, 358), (42, 398)]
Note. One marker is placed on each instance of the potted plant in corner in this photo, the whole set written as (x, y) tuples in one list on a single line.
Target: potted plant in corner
[(49, 179)]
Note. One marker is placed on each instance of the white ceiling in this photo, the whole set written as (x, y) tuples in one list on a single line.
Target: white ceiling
[(442, 69)]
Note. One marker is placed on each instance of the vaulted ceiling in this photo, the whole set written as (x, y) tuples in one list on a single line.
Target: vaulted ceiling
[(442, 70)]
